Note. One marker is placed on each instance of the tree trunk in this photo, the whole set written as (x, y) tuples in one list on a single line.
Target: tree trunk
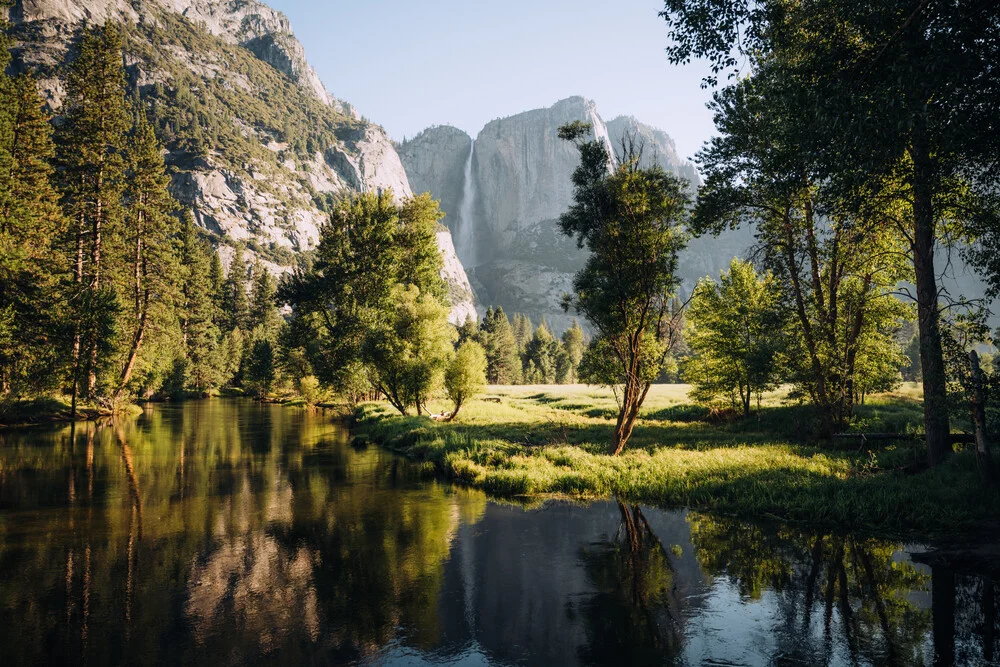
[(943, 616), (458, 406), (979, 419), (133, 353), (95, 263), (936, 423), (77, 346), (632, 399)]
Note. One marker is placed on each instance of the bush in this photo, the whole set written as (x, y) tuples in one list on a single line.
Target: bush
[(466, 374)]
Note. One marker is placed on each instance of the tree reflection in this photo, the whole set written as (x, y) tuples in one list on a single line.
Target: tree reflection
[(633, 618), (834, 590), (221, 530)]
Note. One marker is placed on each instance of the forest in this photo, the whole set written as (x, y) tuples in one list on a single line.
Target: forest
[(112, 293)]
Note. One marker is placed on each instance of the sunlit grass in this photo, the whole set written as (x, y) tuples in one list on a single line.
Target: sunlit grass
[(554, 440)]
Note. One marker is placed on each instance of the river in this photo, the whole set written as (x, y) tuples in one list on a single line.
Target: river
[(225, 532)]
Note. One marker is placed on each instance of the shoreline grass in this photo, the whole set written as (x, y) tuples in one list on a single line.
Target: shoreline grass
[(541, 441)]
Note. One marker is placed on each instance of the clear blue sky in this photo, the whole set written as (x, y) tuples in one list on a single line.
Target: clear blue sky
[(408, 65)]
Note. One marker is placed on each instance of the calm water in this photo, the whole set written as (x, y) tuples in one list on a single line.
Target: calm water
[(223, 532)]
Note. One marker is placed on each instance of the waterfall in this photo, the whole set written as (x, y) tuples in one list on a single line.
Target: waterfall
[(465, 242)]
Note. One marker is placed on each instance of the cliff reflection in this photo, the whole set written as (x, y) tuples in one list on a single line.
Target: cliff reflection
[(226, 532), (273, 537)]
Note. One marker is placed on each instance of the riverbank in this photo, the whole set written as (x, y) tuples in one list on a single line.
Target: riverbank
[(539, 441), (52, 410)]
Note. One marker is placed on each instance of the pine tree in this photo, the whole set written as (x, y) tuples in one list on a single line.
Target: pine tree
[(91, 143), (200, 335), (574, 343), (262, 314), (468, 331), (216, 279), (30, 267), (523, 330), (235, 304), (540, 353), (503, 364), (149, 286)]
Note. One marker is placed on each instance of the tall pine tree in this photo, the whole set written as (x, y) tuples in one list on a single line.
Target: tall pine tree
[(29, 218), (92, 161), (149, 285)]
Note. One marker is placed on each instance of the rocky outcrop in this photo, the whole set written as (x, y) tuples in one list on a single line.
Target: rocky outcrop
[(435, 162), (656, 145), (269, 192), (521, 183), (463, 305)]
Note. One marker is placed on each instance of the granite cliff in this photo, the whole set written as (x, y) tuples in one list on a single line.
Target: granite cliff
[(518, 176), (256, 145)]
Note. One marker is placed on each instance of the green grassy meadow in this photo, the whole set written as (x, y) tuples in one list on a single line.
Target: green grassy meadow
[(553, 440)]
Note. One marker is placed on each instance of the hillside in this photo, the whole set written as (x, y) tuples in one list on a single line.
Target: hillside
[(256, 146)]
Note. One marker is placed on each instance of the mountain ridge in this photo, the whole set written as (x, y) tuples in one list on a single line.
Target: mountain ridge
[(519, 258), (256, 146)]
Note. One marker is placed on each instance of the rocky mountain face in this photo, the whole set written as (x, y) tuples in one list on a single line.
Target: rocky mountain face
[(503, 194), (255, 143)]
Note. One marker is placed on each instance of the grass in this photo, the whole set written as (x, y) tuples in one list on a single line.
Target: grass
[(544, 440), (48, 409)]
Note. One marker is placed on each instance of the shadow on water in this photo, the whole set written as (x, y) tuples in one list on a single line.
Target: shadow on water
[(225, 532)]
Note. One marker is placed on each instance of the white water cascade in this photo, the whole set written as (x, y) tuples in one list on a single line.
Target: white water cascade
[(465, 240)]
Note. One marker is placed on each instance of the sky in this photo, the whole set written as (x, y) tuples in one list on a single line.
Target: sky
[(409, 65)]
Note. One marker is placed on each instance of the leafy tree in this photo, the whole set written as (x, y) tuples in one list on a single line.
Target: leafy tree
[(503, 363), (839, 264), (466, 374), (885, 99), (630, 220), (374, 295), (91, 158), (736, 334), (407, 356)]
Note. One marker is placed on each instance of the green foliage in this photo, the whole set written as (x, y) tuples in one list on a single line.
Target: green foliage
[(235, 301), (573, 344), (198, 311), (465, 376), (309, 389), (737, 336), (503, 363), (374, 295), (408, 354), (260, 369), (871, 100), (540, 357), (91, 157), (630, 220), (33, 328)]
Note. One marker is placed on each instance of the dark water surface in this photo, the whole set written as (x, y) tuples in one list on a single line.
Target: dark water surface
[(223, 532)]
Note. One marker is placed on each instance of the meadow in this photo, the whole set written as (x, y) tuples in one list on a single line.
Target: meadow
[(552, 441)]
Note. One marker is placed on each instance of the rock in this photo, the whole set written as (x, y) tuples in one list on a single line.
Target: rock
[(434, 161), (270, 199), (463, 305), (521, 172)]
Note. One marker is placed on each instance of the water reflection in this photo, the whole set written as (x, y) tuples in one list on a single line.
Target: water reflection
[(225, 532)]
